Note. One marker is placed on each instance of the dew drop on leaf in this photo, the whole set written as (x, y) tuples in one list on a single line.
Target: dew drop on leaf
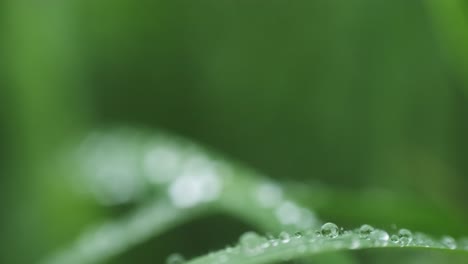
[(298, 235), (329, 230), (365, 231), (252, 243), (284, 237), (175, 258), (272, 240), (380, 237), (422, 240), (405, 237), (449, 242)]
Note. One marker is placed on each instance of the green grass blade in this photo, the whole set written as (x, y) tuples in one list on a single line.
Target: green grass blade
[(117, 168), (108, 239), (254, 249), (126, 166)]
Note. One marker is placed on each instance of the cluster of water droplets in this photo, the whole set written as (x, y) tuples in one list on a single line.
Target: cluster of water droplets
[(329, 237), (122, 167)]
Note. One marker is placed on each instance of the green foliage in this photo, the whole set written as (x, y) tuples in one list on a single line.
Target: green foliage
[(287, 247), (349, 111), (177, 181)]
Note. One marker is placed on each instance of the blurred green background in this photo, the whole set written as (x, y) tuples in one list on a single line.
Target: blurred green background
[(354, 95)]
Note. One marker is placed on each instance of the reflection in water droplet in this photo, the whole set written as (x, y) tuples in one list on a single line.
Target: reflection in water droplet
[(365, 231), (298, 235), (272, 240), (175, 259), (284, 237), (405, 237), (449, 242), (329, 230), (252, 243), (394, 238), (380, 237), (422, 240)]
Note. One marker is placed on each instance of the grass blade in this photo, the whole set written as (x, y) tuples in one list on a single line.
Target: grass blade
[(254, 249), (118, 168)]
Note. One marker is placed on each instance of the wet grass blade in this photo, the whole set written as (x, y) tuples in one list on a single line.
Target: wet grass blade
[(119, 168), (255, 249)]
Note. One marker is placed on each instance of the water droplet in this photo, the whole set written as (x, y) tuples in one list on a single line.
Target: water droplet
[(252, 243), (394, 239), (422, 240), (380, 237), (284, 237), (347, 233), (175, 258), (272, 240), (365, 231), (405, 237), (329, 230), (449, 242), (312, 233), (298, 235)]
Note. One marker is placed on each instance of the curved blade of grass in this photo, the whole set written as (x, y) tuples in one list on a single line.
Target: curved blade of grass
[(126, 166), (125, 149), (254, 249), (119, 167), (108, 239)]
